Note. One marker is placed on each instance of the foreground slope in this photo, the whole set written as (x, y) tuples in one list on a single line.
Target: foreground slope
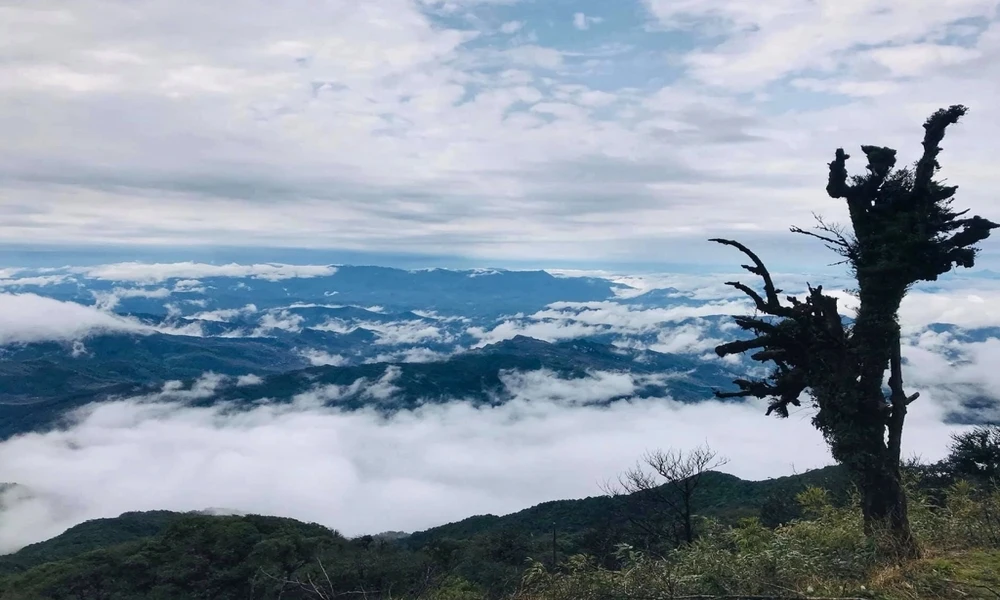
[(824, 552), (721, 495)]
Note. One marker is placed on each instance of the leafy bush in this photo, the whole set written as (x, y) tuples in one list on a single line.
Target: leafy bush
[(823, 554)]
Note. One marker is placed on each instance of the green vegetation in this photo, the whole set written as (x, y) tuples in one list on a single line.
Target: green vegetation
[(210, 557), (824, 554), (800, 533), (88, 536), (819, 543)]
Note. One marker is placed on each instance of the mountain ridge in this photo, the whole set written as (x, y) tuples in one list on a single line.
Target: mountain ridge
[(476, 374), (722, 495)]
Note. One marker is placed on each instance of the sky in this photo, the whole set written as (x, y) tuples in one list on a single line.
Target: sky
[(512, 133), (455, 132)]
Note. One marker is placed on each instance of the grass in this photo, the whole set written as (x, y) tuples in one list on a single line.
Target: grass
[(823, 555)]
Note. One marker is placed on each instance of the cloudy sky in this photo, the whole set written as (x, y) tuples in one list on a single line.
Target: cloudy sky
[(583, 135), (585, 132)]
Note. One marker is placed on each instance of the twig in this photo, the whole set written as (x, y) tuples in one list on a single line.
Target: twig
[(975, 585), (743, 597), (736, 597), (325, 574), (781, 587), (310, 586)]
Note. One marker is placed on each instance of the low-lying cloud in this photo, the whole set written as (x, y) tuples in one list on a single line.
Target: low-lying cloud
[(109, 300), (361, 472), (570, 320), (26, 318), (390, 333), (320, 357), (411, 355), (158, 272), (224, 315)]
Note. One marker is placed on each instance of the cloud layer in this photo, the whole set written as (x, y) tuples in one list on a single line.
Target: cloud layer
[(26, 318), (362, 473), (158, 272), (508, 130)]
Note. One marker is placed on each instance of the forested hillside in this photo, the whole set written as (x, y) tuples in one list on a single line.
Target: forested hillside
[(597, 548)]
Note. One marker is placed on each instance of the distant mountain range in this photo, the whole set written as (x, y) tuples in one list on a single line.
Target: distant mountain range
[(41, 382), (360, 336), (471, 292)]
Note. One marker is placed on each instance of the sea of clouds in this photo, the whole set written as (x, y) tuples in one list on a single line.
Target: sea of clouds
[(364, 472)]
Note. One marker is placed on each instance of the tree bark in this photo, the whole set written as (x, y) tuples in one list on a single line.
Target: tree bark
[(884, 507), (876, 461)]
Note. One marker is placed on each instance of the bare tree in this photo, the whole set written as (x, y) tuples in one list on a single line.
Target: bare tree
[(662, 489), (321, 588), (903, 231)]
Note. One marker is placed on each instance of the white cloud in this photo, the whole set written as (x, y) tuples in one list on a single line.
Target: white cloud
[(384, 388), (410, 355), (966, 306), (916, 59), (363, 388), (173, 311), (188, 285), (686, 339), (26, 318), (534, 56), (582, 22), (971, 373), (157, 272), (430, 314), (860, 89), (546, 386), (224, 315), (319, 357), (39, 280), (391, 333), (249, 379), (552, 440), (406, 332), (110, 300), (335, 326), (511, 27), (332, 124), (822, 33), (203, 387), (567, 320), (281, 319), (345, 470)]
